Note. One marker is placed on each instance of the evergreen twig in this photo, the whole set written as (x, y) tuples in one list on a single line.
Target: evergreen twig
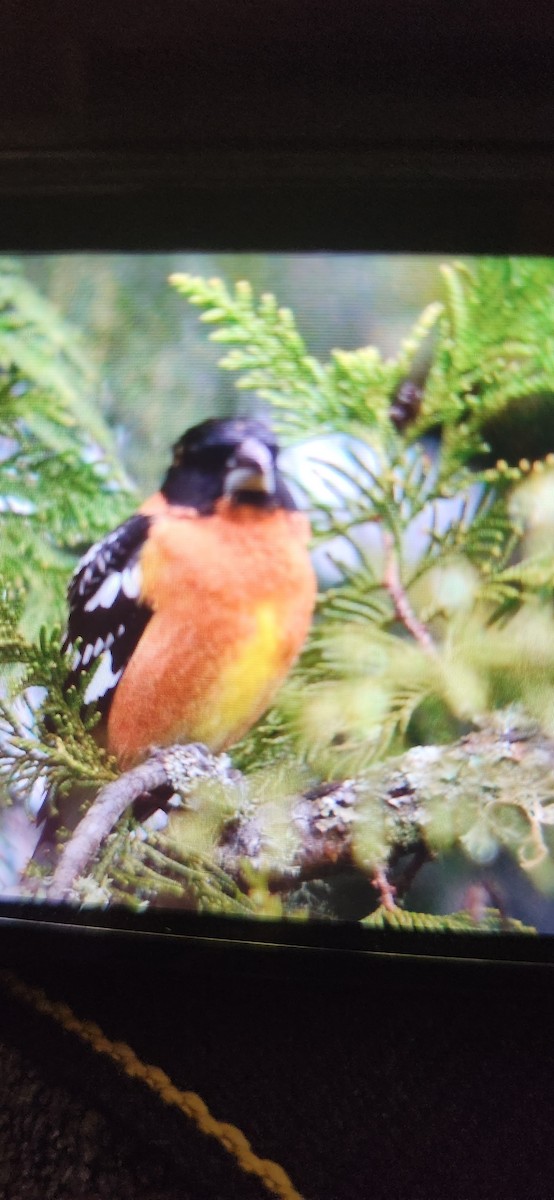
[(402, 606)]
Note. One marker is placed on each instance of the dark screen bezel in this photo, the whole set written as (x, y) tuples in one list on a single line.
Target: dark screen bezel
[(434, 199)]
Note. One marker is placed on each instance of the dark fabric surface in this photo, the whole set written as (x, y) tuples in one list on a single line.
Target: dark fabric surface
[(53, 1146), (390, 1082), (75, 1126)]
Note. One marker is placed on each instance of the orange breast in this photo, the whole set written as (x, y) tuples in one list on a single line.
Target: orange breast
[(232, 596)]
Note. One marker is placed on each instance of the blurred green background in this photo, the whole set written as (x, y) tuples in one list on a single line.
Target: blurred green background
[(156, 368)]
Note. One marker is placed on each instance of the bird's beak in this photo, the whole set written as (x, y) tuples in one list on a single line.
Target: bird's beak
[(251, 469)]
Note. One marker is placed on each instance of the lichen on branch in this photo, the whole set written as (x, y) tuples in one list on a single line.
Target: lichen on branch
[(494, 786)]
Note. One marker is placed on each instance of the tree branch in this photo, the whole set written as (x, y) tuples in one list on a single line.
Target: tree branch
[(402, 607), (105, 811), (324, 830), (175, 767)]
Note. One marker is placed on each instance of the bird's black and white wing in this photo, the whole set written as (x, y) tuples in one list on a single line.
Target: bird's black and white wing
[(106, 616)]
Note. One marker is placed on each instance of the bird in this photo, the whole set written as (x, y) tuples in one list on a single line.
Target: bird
[(194, 610)]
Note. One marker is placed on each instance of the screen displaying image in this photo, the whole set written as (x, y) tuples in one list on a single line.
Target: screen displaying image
[(277, 587)]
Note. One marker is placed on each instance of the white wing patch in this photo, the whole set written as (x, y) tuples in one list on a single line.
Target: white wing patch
[(84, 661), (94, 552), (127, 581), (103, 680), (106, 593), (131, 582)]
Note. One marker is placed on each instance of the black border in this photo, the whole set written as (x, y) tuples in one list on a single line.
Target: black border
[(467, 200), (341, 938), (387, 200)]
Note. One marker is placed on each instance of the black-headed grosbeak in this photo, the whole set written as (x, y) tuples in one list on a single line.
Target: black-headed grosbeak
[(197, 606)]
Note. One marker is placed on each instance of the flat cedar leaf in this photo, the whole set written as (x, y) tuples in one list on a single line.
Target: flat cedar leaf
[(403, 920)]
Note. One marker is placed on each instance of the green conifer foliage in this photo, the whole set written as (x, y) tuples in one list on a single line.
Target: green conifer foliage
[(60, 482), (412, 646)]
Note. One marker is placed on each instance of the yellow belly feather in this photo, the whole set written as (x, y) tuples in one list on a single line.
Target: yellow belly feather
[(246, 684)]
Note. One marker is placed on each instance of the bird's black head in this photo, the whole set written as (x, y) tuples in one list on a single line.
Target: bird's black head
[(236, 457)]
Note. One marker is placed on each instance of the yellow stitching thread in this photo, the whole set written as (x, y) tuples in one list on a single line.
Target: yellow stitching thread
[(270, 1173)]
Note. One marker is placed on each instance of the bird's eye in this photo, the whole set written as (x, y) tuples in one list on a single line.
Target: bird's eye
[(217, 456)]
